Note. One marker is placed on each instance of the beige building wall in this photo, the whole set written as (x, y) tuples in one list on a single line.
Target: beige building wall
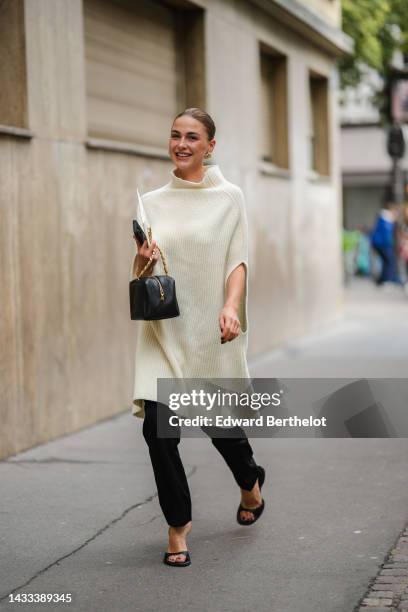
[(328, 10), (67, 201)]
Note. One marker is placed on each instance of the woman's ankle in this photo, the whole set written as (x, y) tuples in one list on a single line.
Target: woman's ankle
[(180, 529), (253, 494)]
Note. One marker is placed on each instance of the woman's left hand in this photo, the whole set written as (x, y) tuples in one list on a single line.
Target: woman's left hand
[(229, 324)]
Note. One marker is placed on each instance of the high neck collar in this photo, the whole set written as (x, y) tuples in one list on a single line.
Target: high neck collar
[(212, 178)]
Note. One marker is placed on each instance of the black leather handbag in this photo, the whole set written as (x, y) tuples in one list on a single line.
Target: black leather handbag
[(153, 297)]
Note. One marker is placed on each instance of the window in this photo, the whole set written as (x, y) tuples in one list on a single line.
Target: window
[(319, 124), (13, 79), (136, 67), (274, 107)]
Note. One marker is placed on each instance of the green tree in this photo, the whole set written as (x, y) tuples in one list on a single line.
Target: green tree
[(378, 28)]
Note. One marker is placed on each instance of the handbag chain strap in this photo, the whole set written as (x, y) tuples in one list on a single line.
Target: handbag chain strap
[(138, 276)]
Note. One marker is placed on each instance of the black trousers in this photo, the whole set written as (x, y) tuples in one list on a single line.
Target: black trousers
[(389, 265), (169, 474)]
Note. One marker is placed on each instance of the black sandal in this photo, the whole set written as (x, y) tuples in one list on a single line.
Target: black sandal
[(184, 563), (255, 511)]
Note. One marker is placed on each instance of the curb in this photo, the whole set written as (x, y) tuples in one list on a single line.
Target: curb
[(388, 591)]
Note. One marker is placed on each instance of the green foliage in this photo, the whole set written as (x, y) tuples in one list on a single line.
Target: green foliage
[(378, 28)]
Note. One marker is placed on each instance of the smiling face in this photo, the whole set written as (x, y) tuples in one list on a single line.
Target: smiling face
[(189, 144)]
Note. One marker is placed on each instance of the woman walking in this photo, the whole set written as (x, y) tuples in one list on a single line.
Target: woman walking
[(198, 220)]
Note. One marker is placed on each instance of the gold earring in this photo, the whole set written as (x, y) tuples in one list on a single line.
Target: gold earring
[(207, 155)]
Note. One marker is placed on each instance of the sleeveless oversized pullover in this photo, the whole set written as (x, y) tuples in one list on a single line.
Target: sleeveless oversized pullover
[(202, 230)]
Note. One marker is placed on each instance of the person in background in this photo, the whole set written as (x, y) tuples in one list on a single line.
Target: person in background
[(350, 243), (363, 252), (383, 242), (403, 243)]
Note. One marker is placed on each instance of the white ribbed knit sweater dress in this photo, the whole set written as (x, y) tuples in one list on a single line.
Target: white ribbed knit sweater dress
[(202, 231)]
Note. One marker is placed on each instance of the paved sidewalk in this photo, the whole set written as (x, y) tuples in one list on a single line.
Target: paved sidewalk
[(80, 515), (370, 341)]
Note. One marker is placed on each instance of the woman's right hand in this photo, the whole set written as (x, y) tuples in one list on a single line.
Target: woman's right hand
[(144, 252)]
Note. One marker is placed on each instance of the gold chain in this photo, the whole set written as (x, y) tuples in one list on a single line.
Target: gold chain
[(149, 230), (145, 268), (163, 260)]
